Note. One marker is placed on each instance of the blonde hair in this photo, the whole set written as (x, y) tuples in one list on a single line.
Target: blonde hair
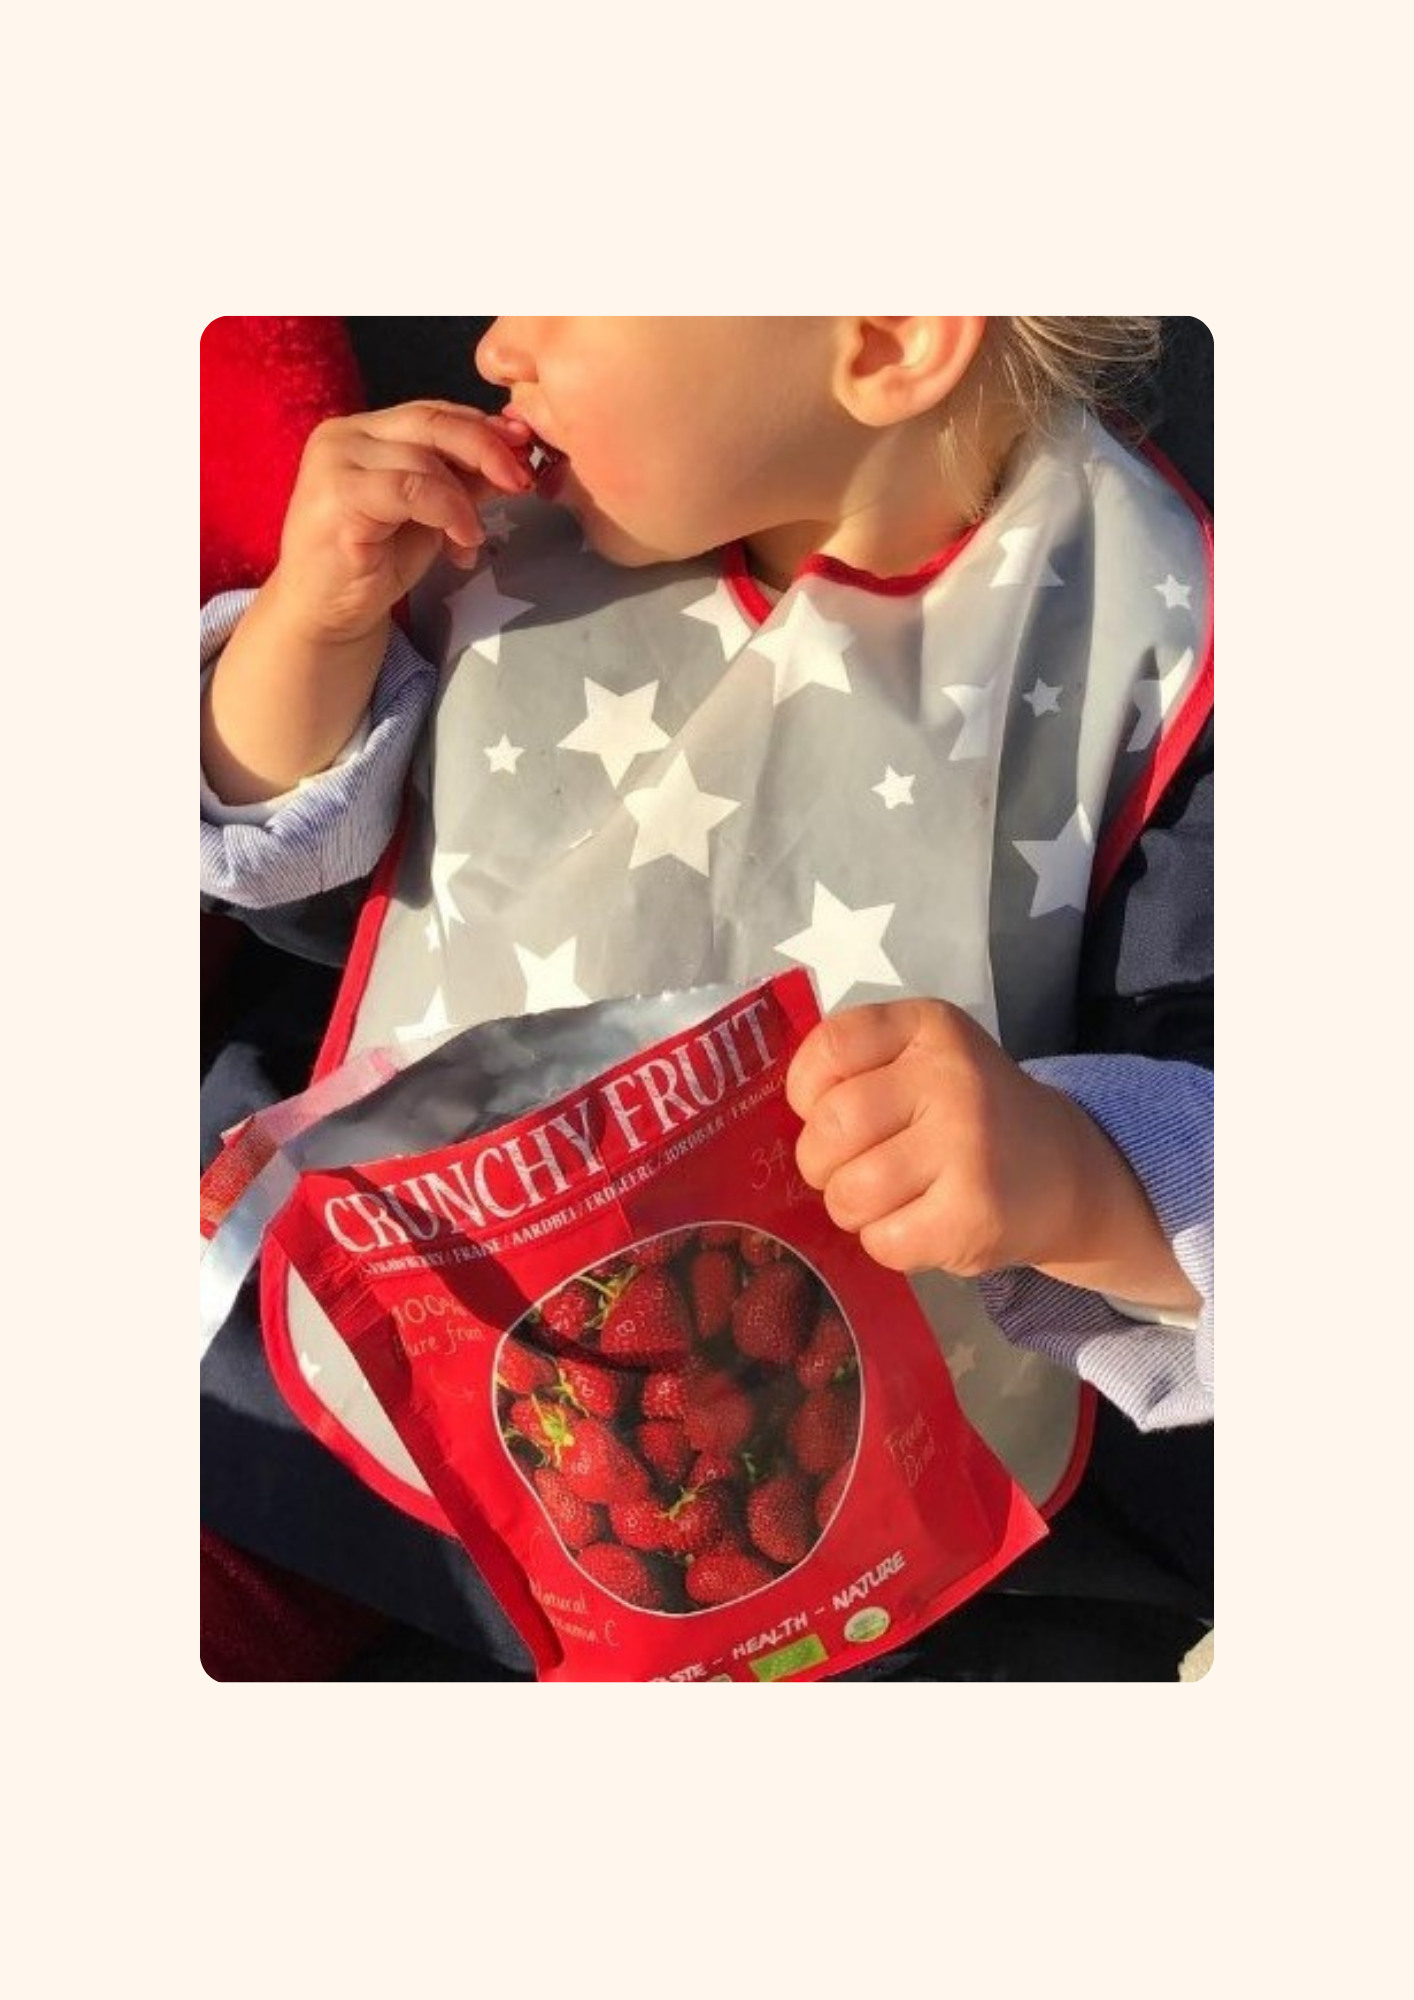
[(1029, 370)]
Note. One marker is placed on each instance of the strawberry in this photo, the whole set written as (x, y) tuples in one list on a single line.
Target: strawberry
[(829, 1354), (757, 1248), (593, 1462), (663, 1249), (779, 1519), (575, 1521), (521, 1370), (823, 1431), (648, 1323), (720, 1415), (664, 1446), (665, 1391), (830, 1495), (721, 1575), (772, 1315), (641, 1524), (601, 1392), (711, 1285), (625, 1574), (701, 1521), (719, 1236), (709, 1466), (570, 1313)]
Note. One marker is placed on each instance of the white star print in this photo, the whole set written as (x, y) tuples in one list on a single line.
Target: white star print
[(1062, 865), (806, 649), (894, 788), (962, 1359), (1154, 699), (616, 727), (1043, 699), (309, 1367), (981, 714), (504, 756), (480, 614), (721, 610), (674, 818), (1017, 544), (432, 932), (1175, 594), (843, 947), (432, 1023), (444, 870), (497, 522), (550, 981)]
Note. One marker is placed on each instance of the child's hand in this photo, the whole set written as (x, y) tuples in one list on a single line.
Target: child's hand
[(932, 1145), (928, 1141), (378, 498)]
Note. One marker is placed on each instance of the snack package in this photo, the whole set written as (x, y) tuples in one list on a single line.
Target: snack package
[(686, 1428)]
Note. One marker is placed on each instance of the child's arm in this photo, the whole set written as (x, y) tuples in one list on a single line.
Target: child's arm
[(378, 498)]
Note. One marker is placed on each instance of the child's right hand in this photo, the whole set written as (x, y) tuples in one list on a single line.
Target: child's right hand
[(378, 498)]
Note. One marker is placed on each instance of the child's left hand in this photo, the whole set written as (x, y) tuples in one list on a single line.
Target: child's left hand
[(929, 1142), (932, 1145)]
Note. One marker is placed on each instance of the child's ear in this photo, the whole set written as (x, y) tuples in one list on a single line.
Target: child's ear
[(893, 369)]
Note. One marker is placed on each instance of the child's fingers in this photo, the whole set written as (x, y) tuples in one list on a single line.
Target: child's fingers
[(386, 498), (468, 438), (851, 1117), (877, 1184), (860, 1038)]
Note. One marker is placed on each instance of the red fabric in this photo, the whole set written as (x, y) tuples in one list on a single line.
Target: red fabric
[(265, 383)]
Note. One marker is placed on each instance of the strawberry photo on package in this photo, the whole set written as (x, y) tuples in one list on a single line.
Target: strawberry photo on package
[(686, 1428)]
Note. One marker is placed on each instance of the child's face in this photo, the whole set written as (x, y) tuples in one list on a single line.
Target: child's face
[(680, 435)]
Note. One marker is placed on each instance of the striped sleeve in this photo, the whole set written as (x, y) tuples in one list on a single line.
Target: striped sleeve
[(1157, 1370), (332, 828)]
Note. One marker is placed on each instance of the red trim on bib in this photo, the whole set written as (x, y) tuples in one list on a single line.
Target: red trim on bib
[(758, 607)]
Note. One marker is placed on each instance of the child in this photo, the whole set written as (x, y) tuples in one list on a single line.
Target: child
[(888, 667)]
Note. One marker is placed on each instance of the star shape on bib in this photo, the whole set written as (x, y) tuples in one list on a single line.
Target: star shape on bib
[(497, 522), (962, 1359), (479, 615), (1176, 595), (895, 788), (1042, 699), (309, 1367), (720, 610), (981, 716), (806, 649), (675, 818), (433, 1022), (1062, 865), (504, 756), (843, 947), (1017, 545), (616, 727), (1155, 698), (445, 868), (550, 981)]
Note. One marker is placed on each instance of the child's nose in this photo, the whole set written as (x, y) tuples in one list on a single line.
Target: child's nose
[(503, 353)]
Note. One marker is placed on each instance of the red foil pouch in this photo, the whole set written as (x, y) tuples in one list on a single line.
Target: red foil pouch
[(686, 1428)]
